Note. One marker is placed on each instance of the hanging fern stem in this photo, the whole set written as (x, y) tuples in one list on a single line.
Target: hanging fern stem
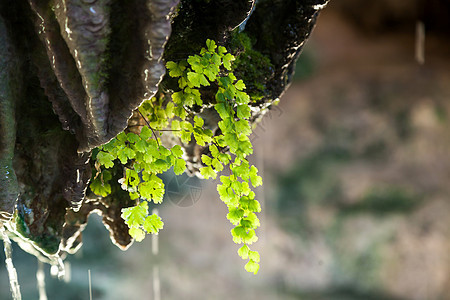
[(143, 157), (149, 126)]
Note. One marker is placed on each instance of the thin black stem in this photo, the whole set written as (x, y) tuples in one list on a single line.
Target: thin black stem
[(137, 125), (149, 126)]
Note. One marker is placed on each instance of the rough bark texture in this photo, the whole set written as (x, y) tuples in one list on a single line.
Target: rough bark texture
[(72, 73)]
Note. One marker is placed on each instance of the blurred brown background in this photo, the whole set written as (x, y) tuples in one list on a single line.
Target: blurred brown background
[(356, 168)]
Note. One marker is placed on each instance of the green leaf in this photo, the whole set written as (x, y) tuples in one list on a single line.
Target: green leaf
[(133, 195), (111, 145), (141, 146), (238, 232), (208, 172), (225, 180), (240, 85), (232, 141), (211, 45), (197, 97), (129, 153), (135, 216), (194, 61), (178, 98), (161, 165), (105, 159), (194, 78), (244, 148), (100, 189), (153, 224), (210, 74), (243, 251), (217, 62), (254, 255), (122, 137), (222, 50), (243, 111), (256, 180), (137, 233), (250, 237), (189, 99), (153, 189), (132, 177), (146, 190), (224, 158), (158, 195), (177, 151), (242, 97), (222, 110), (180, 166), (187, 126), (252, 267), (227, 195), (164, 152), (185, 137), (146, 133), (227, 60), (217, 165), (206, 159), (132, 137), (246, 223), (175, 70), (198, 122), (235, 215), (245, 188), (197, 79), (237, 186), (125, 154), (176, 125), (243, 127), (171, 65), (253, 219), (122, 157), (182, 82), (214, 151)]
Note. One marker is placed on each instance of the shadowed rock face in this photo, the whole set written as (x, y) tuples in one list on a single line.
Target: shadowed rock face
[(72, 73), (8, 95), (80, 77)]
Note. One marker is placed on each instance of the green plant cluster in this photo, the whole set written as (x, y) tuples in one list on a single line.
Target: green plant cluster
[(144, 157), (252, 66)]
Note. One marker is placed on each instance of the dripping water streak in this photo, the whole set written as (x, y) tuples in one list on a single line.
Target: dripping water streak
[(420, 42), (13, 281), (90, 284), (156, 283), (40, 277), (155, 251), (68, 272)]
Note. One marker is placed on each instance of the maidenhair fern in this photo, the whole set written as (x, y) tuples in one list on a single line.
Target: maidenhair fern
[(144, 157)]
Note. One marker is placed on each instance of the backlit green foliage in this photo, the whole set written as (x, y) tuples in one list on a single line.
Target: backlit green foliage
[(144, 157)]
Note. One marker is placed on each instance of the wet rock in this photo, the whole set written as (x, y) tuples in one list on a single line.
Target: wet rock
[(9, 89), (80, 78), (280, 29)]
